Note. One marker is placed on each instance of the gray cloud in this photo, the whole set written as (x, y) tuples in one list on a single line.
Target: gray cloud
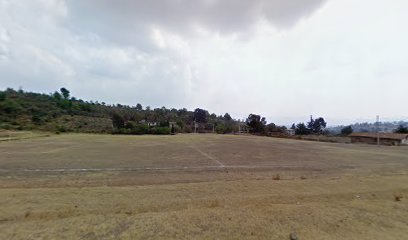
[(190, 53), (284, 13), (129, 21)]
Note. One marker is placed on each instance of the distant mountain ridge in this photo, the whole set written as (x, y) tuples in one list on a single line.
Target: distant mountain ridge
[(386, 127)]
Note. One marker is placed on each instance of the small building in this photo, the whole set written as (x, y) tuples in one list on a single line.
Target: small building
[(148, 123), (395, 139), (290, 132), (152, 124), (242, 128)]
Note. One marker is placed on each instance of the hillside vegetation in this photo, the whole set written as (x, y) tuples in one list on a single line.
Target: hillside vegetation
[(60, 112), (386, 127)]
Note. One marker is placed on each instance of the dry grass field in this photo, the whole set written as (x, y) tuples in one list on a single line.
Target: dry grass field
[(79, 186)]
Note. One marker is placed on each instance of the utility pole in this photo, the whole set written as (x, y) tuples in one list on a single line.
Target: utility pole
[(378, 130), (195, 126)]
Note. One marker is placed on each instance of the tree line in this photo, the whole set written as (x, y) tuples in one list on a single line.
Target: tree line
[(21, 110), (314, 126), (26, 110)]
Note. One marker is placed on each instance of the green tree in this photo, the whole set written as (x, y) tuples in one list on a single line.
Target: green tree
[(139, 107), (220, 128), (57, 96), (3, 96), (200, 115), (129, 125), (118, 121), (301, 129), (401, 129), (227, 117), (319, 125), (310, 124), (271, 127), (316, 126), (256, 123), (65, 93), (347, 130)]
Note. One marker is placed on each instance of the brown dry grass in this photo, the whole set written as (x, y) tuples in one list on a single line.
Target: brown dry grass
[(326, 191)]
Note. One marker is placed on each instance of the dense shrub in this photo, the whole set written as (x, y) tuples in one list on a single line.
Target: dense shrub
[(10, 106), (140, 129), (220, 129), (2, 96), (187, 129), (160, 130), (61, 128)]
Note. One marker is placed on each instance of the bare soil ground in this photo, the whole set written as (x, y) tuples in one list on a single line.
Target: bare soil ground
[(79, 186)]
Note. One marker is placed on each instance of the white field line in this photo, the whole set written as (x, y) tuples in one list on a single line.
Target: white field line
[(40, 152), (208, 156), (57, 149), (150, 168)]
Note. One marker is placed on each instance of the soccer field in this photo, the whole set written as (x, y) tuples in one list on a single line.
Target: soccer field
[(79, 186), (75, 152)]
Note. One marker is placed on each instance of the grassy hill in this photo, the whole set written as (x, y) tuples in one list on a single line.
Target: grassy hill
[(59, 112)]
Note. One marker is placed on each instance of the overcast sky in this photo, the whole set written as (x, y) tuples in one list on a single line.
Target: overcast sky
[(345, 60)]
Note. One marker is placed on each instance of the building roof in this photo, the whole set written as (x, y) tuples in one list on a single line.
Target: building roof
[(394, 136)]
